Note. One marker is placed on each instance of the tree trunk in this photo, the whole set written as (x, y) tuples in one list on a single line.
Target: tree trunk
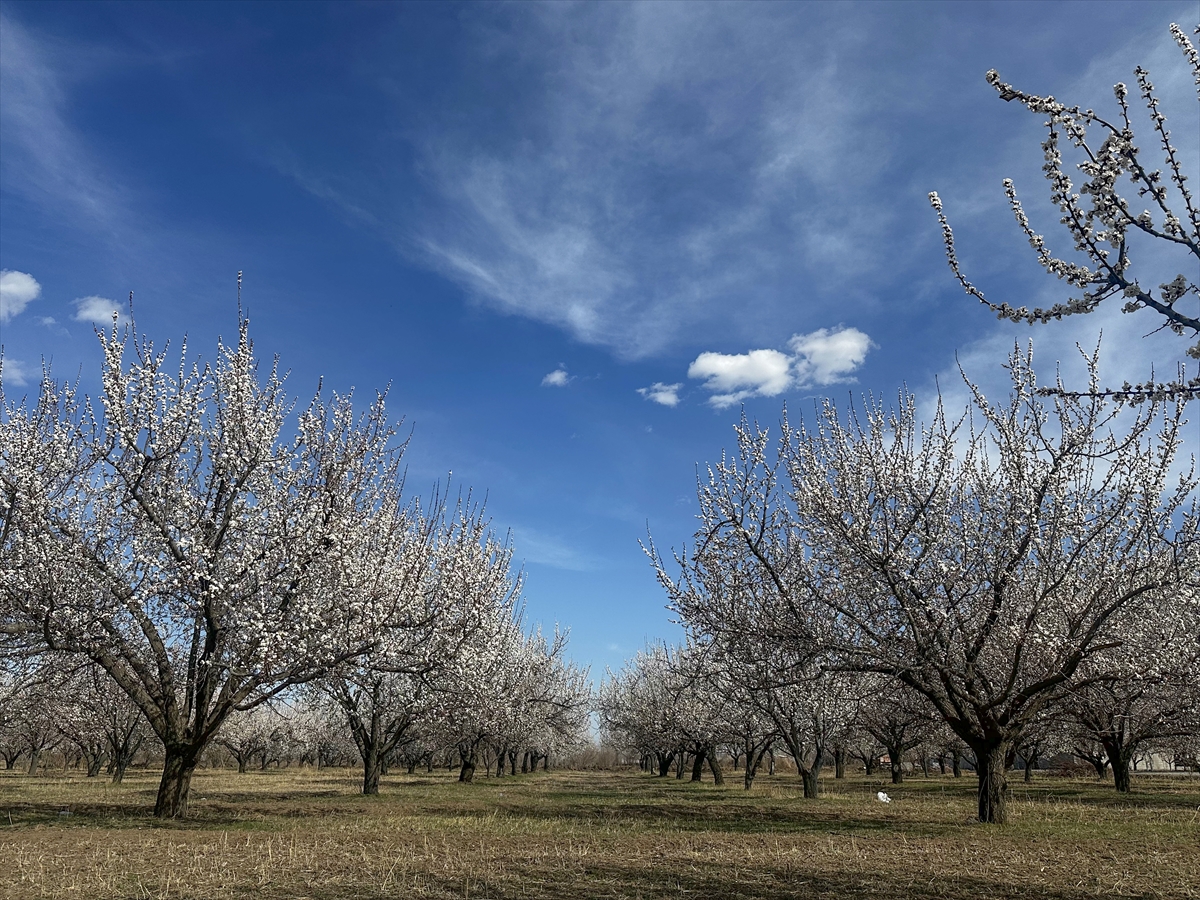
[(95, 763), (698, 764), (466, 772), (1119, 758), (811, 777), (714, 766), (839, 762), (372, 770), (172, 800), (993, 783), (897, 761), (956, 763), (34, 758), (664, 763)]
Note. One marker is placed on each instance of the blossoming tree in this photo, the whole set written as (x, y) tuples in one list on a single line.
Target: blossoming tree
[(1104, 227), (181, 535), (988, 562)]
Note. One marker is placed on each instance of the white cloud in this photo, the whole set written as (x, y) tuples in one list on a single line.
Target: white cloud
[(735, 376), (557, 378), (821, 357), (13, 372), (97, 310), (826, 357), (48, 321), (17, 289), (666, 394)]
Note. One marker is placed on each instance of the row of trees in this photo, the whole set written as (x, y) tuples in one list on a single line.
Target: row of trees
[(210, 552), (1020, 556), (995, 562), (675, 707)]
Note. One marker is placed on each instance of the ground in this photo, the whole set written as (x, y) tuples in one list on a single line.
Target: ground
[(298, 833)]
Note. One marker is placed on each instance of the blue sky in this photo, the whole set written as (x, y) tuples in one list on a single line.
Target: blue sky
[(574, 238)]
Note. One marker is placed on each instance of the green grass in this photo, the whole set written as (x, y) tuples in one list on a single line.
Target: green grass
[(303, 834)]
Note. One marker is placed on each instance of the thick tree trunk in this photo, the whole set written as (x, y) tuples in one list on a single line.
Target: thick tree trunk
[(1119, 758), (956, 763), (95, 763), (698, 765), (839, 762), (172, 801), (811, 778), (664, 764), (466, 771), (993, 783), (372, 770), (34, 758)]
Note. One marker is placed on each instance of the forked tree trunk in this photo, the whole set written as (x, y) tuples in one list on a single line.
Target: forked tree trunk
[(172, 800), (95, 762), (1119, 757), (715, 767), (993, 783), (664, 763)]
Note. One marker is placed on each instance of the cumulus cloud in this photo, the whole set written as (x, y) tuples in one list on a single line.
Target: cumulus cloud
[(733, 377), (97, 310), (827, 357), (666, 394), (557, 378), (17, 289), (820, 357), (13, 372)]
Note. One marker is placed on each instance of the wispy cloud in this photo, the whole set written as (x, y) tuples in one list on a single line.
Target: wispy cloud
[(665, 394), (821, 357), (43, 158), (536, 546), (17, 290), (686, 158)]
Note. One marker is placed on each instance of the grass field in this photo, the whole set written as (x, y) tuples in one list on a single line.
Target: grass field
[(303, 834)]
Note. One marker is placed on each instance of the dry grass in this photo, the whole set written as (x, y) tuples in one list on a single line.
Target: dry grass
[(303, 834)]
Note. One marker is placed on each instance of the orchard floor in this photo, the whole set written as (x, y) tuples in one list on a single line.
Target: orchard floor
[(304, 834)]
